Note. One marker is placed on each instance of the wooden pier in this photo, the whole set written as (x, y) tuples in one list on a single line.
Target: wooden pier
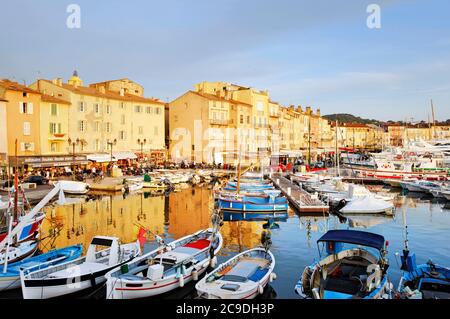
[(300, 199)]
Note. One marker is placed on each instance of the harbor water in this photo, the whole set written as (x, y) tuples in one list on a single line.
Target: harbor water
[(294, 242)]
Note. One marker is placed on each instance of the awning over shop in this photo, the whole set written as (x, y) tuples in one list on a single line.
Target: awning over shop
[(289, 153), (124, 155), (100, 158)]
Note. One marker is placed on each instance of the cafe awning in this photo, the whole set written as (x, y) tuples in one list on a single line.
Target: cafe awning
[(100, 158), (124, 155)]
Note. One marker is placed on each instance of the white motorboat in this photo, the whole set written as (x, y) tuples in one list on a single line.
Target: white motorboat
[(446, 194), (242, 277), (420, 186), (368, 205), (166, 268), (74, 187), (134, 187), (82, 273)]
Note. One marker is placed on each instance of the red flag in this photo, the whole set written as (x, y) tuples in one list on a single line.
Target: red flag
[(142, 236)]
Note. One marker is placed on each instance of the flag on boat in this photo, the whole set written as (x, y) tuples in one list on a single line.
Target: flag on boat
[(142, 236)]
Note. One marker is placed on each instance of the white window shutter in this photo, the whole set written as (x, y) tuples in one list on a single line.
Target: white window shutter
[(21, 107), (22, 146), (30, 108)]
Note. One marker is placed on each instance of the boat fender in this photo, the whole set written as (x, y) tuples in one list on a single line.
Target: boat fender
[(273, 276), (181, 281), (213, 262), (195, 274), (260, 289)]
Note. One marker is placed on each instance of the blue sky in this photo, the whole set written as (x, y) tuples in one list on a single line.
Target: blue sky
[(318, 53)]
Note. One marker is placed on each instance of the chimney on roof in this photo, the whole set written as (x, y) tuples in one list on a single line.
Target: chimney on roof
[(299, 109), (308, 110), (102, 89), (122, 92), (318, 112)]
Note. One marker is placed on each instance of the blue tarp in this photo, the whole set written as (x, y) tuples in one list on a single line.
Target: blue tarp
[(356, 237)]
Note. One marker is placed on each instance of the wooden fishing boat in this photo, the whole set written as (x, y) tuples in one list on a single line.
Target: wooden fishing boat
[(10, 279), (80, 274), (242, 277), (166, 268), (19, 251), (349, 269)]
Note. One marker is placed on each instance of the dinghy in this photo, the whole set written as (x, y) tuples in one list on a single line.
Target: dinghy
[(80, 274), (74, 188), (270, 202), (354, 267), (243, 277), (10, 279), (166, 268)]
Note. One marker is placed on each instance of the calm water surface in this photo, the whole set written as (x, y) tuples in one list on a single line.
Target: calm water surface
[(294, 243)]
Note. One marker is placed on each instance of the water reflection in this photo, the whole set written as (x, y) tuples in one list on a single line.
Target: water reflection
[(294, 244)]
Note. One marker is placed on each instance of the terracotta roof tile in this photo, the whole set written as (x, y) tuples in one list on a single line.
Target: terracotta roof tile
[(52, 99), (14, 86), (218, 98), (85, 90)]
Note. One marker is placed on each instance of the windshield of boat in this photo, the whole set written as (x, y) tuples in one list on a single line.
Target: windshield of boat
[(331, 248)]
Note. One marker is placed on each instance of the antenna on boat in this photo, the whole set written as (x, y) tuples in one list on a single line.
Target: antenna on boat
[(404, 265)]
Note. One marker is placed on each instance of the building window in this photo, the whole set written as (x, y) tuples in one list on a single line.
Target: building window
[(122, 105), (108, 127), (141, 130), (248, 119), (157, 110), (137, 109), (25, 94), (54, 109), (97, 108), (97, 126), (25, 108), (52, 128), (81, 107), (82, 126), (97, 145), (241, 120), (149, 110), (26, 128), (108, 109), (54, 147), (122, 135)]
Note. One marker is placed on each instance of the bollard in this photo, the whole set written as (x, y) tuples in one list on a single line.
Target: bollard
[(289, 191), (278, 181)]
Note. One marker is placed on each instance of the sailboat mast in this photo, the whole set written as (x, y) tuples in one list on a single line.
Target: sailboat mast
[(16, 186), (336, 150), (434, 120)]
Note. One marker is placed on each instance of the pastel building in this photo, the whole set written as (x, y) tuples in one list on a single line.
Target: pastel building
[(106, 116)]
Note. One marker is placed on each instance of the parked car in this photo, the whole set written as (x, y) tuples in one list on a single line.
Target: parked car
[(9, 183), (39, 180)]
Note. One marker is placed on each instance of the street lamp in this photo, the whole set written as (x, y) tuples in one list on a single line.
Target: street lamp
[(73, 143), (111, 144), (142, 143)]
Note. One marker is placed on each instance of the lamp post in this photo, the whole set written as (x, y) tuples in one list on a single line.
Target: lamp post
[(73, 143), (111, 144), (142, 143)]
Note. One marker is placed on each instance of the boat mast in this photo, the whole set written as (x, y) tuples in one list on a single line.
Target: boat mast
[(434, 121), (336, 150), (16, 185)]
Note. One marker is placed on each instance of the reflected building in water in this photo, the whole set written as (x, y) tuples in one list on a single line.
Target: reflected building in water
[(110, 215)]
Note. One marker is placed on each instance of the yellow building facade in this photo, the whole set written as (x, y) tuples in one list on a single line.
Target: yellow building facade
[(22, 118), (108, 113), (238, 122)]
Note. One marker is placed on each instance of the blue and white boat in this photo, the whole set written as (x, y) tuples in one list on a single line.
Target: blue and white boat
[(353, 266), (10, 279), (270, 202), (425, 281), (230, 216), (249, 186)]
